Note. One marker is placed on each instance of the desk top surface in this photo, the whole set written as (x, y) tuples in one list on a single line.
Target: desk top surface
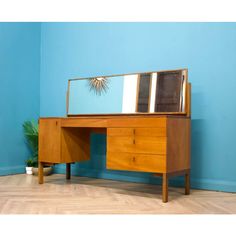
[(127, 115)]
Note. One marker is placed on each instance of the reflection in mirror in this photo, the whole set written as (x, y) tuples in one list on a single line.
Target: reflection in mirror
[(133, 93), (129, 93), (143, 92), (99, 85), (168, 91), (83, 100)]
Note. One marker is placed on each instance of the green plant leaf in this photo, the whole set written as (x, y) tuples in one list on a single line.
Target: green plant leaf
[(30, 129)]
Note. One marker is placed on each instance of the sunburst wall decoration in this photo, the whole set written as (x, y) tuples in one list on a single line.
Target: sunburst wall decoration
[(99, 85)]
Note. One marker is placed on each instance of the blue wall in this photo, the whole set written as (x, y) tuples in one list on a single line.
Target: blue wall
[(70, 50), (19, 90), (208, 50)]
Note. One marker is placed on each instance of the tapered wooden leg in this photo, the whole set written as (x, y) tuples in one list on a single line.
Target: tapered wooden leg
[(164, 187), (187, 182), (40, 173), (68, 171)]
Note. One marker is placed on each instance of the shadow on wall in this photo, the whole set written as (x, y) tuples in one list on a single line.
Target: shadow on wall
[(198, 139), (197, 142)]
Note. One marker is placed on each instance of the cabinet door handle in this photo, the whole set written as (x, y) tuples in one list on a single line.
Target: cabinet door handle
[(56, 123), (133, 159), (133, 141), (134, 131)]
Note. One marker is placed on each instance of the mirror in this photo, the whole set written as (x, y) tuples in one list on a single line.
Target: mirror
[(149, 92)]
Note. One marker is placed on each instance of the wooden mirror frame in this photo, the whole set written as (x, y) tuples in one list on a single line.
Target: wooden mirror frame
[(187, 97)]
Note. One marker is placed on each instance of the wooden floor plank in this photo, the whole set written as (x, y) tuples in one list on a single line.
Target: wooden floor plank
[(21, 194)]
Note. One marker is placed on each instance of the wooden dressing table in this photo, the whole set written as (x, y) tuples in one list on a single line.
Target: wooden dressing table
[(158, 142)]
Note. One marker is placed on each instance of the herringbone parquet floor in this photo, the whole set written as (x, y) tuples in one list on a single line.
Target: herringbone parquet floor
[(21, 194)]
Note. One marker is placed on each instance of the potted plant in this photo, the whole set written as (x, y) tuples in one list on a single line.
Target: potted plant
[(30, 163), (31, 134)]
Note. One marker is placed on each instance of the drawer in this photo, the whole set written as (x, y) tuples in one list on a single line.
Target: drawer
[(139, 144), (150, 132), (128, 122), (136, 162)]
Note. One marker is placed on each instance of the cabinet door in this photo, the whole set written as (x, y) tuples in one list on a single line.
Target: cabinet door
[(49, 140)]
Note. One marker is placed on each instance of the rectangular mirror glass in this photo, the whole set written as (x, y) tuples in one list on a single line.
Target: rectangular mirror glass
[(151, 92)]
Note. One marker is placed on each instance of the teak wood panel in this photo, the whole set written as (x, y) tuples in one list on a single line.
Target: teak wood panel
[(49, 140), (75, 145), (84, 122), (116, 121), (178, 145), (136, 162), (139, 144), (188, 100), (137, 122), (154, 132)]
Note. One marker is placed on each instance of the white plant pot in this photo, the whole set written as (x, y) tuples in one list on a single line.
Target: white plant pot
[(29, 170)]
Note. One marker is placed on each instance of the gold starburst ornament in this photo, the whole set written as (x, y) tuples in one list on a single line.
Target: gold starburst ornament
[(99, 85)]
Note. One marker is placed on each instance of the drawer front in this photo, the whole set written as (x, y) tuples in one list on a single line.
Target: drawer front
[(138, 144), (146, 132), (137, 122), (136, 162)]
